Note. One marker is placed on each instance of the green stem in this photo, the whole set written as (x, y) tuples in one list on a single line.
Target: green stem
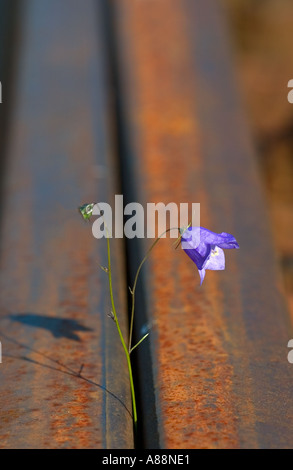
[(130, 349), (132, 291), (122, 339)]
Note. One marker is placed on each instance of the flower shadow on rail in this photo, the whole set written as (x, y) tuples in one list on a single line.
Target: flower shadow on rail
[(58, 327)]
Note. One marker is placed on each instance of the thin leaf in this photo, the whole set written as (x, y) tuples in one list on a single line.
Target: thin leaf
[(140, 341)]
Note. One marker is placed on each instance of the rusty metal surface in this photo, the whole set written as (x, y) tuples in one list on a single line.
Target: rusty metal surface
[(63, 378), (8, 45), (219, 352)]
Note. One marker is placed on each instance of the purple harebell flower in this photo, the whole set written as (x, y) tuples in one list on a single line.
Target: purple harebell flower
[(205, 248)]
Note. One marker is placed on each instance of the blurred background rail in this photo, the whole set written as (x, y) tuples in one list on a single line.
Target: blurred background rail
[(263, 39), (163, 101)]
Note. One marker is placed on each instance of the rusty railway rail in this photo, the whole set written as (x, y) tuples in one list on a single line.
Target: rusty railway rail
[(219, 352), (54, 298), (137, 94)]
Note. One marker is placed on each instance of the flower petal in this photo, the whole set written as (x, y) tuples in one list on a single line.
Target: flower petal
[(197, 257), (199, 237), (228, 241), (194, 247), (202, 273), (216, 260)]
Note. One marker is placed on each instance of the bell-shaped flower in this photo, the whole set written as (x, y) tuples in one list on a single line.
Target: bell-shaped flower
[(205, 248)]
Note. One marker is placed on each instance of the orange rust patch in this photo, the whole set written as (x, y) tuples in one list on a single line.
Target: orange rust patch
[(195, 375)]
